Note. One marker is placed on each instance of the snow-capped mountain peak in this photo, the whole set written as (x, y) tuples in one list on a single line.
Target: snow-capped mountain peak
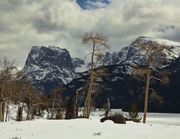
[(49, 67), (45, 65), (131, 54), (162, 41)]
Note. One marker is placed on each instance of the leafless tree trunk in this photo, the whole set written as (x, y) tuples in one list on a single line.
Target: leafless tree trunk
[(98, 42), (7, 111), (146, 96), (1, 112), (6, 76), (107, 109), (55, 101), (156, 55), (87, 104)]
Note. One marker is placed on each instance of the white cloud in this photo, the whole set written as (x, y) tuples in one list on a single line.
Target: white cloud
[(25, 23)]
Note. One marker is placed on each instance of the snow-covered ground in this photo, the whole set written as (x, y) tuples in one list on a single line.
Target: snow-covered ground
[(159, 126)]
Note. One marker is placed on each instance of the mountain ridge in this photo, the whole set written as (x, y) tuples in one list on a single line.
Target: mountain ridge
[(50, 67)]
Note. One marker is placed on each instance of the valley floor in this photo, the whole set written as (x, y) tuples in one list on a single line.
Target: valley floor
[(159, 126)]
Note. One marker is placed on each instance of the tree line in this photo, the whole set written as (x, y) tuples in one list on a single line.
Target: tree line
[(17, 89)]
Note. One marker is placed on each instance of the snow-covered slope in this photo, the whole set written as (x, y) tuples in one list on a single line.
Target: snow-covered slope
[(159, 126), (162, 41), (79, 64), (50, 65), (131, 55)]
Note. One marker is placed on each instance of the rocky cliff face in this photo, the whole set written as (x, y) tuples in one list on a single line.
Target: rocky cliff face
[(49, 67), (132, 55)]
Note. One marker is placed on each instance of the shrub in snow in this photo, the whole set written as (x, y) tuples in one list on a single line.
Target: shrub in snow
[(97, 134), (59, 115), (133, 113), (107, 108), (70, 111), (19, 114), (116, 118)]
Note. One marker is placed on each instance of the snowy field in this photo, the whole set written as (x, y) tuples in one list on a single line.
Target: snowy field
[(159, 126)]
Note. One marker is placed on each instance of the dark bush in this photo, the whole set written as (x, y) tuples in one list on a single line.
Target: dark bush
[(116, 118), (19, 114), (133, 113), (59, 115)]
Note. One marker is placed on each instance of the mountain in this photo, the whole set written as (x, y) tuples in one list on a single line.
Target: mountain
[(49, 67), (79, 64), (93, 4), (122, 88), (133, 56)]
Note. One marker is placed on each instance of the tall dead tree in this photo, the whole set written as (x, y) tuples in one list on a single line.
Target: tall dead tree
[(156, 55), (98, 43)]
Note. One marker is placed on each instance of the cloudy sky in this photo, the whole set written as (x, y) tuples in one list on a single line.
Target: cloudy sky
[(25, 23)]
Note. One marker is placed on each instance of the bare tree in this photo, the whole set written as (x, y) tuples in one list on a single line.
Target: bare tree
[(33, 99), (156, 55), (98, 43), (15, 88), (7, 70), (56, 101)]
